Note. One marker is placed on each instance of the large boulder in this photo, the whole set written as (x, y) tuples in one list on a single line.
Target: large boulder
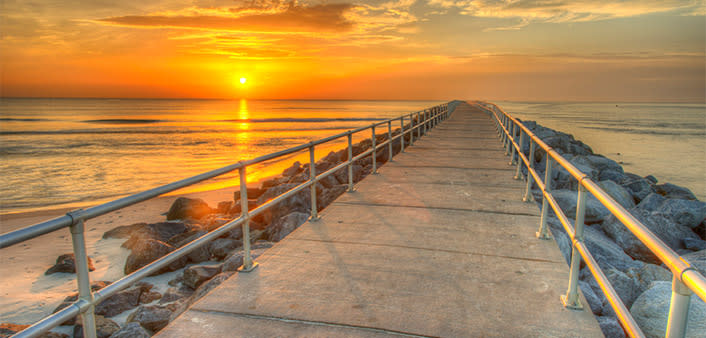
[(209, 285), (697, 260), (597, 162), (148, 250), (104, 328), (329, 195), (627, 287), (652, 202), (651, 310), (664, 228), (294, 169), (299, 202), (684, 212), (151, 317), (567, 200), (283, 226), (197, 255), (131, 330), (669, 190), (637, 186), (67, 263), (610, 326), (606, 252), (161, 231), (221, 247), (185, 208), (618, 193), (121, 301), (235, 260), (195, 275), (647, 274)]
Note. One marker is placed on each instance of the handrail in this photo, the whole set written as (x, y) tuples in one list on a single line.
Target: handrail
[(419, 124), (686, 279)]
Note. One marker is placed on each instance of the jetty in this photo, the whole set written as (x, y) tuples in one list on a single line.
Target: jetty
[(437, 243)]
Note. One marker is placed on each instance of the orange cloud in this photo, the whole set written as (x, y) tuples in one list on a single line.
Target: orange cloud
[(328, 17)]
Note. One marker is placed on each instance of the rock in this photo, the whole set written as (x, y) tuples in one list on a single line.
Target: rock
[(627, 287), (199, 254), (697, 260), (9, 329), (235, 260), (637, 186), (683, 212), (148, 250), (567, 199), (283, 226), (253, 194), (119, 302), (652, 202), (175, 294), (593, 301), (221, 247), (647, 274), (652, 179), (606, 252), (95, 286), (329, 181), (651, 310), (561, 238), (184, 208), (299, 202), (273, 182), (210, 285), (197, 274), (672, 234), (66, 263), (235, 210), (597, 162), (329, 195), (293, 170), (611, 175), (669, 190), (694, 244), (161, 231), (131, 330), (610, 326), (224, 207), (151, 317), (342, 175), (149, 297), (104, 328), (618, 193)]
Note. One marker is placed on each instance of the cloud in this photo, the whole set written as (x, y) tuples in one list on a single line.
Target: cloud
[(557, 11), (295, 18)]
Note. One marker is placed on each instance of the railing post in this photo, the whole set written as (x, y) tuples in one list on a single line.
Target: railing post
[(82, 277), (389, 140), (312, 178), (542, 233), (374, 154), (512, 146), (678, 309), (518, 173), (350, 162), (571, 299), (411, 129), (530, 178), (402, 134), (248, 264)]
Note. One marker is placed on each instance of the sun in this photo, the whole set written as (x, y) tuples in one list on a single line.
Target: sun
[(243, 80)]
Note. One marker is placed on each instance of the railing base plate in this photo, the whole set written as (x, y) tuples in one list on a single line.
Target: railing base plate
[(574, 306), (545, 236), (251, 268)]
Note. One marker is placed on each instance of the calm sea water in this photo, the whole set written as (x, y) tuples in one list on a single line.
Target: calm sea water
[(72, 152), (664, 140)]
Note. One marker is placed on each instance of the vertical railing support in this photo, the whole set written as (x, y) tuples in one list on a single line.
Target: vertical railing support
[(530, 178), (389, 140), (411, 129), (678, 309), (374, 154), (248, 264), (82, 277), (571, 299), (518, 173), (402, 134), (543, 233), (312, 178), (350, 162), (512, 146)]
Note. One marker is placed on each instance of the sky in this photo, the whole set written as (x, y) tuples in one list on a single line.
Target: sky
[(522, 50)]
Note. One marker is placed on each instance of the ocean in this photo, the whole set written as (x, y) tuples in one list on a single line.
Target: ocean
[(57, 153)]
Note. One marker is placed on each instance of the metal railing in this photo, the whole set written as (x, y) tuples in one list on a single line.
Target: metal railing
[(686, 280), (419, 124)]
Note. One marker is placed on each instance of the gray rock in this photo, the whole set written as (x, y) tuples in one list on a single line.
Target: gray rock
[(253, 194), (235, 260), (285, 225), (618, 193), (694, 244), (597, 162), (329, 181), (652, 202), (606, 252), (210, 285), (672, 234), (567, 199), (104, 328), (151, 317), (561, 238), (647, 274), (222, 247), (593, 300), (652, 179), (184, 208), (161, 231), (684, 212), (610, 327), (637, 186), (119, 302), (199, 254), (224, 207), (329, 195), (197, 274), (66, 263), (627, 287), (174, 294), (342, 175), (149, 297), (273, 182), (674, 191), (131, 330), (697, 260), (292, 170), (651, 309), (299, 202), (612, 175), (148, 250), (564, 180)]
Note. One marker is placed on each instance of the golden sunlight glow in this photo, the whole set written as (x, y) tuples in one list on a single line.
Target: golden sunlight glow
[(243, 80)]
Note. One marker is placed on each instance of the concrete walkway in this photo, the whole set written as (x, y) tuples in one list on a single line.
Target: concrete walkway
[(438, 244)]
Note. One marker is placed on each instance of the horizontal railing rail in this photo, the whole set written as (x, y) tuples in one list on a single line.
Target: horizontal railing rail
[(686, 280), (419, 124)]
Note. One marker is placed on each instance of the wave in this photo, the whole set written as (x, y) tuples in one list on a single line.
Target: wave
[(306, 120), (649, 132), (124, 121), (12, 119), (163, 132)]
